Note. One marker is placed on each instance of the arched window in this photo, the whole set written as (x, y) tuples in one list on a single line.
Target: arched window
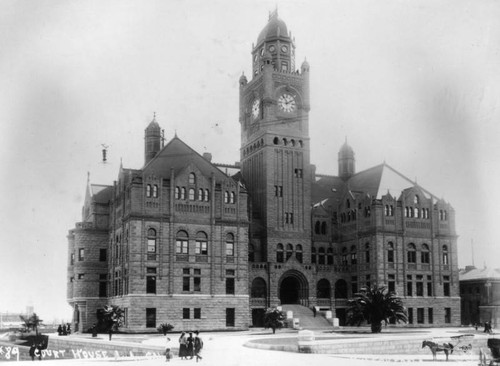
[(323, 289), (317, 227), (445, 255), (201, 194), (348, 204), (412, 253), (230, 245), (417, 213), (354, 255), (344, 256), (416, 199), (425, 255), (313, 255), (233, 197), (321, 255), (183, 193), (341, 289), (390, 252), (207, 195), (192, 178), (191, 194), (289, 251), (201, 244), (386, 210), (323, 228), (329, 256), (259, 288), (178, 192), (151, 253), (367, 253), (407, 212), (148, 190), (298, 253), (391, 210), (226, 197), (279, 253), (181, 243), (155, 191)]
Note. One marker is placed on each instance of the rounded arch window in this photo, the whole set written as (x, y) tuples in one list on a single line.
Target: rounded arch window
[(301, 144), (321, 255), (276, 141), (412, 253), (292, 142), (259, 288), (279, 253), (317, 226), (181, 242), (285, 141), (323, 289), (341, 289), (289, 251), (425, 255), (298, 253), (192, 178), (416, 199), (201, 244)]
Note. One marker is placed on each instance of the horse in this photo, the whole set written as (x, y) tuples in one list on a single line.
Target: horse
[(447, 348)]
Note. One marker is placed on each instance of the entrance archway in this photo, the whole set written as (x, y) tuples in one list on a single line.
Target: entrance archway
[(293, 288)]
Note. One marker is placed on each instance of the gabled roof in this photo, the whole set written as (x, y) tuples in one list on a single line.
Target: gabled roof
[(177, 155), (376, 182), (480, 274)]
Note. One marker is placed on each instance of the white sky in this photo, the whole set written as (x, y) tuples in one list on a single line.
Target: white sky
[(414, 83)]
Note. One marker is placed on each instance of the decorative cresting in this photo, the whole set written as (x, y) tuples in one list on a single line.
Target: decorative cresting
[(293, 288)]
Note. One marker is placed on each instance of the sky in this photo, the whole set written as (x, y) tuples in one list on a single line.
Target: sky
[(413, 83)]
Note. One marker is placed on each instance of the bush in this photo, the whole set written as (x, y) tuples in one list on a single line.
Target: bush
[(164, 328)]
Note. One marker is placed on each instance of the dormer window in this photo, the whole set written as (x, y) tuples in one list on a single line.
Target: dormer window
[(192, 178)]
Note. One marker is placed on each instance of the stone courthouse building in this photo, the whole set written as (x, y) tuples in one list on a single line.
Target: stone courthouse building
[(205, 246)]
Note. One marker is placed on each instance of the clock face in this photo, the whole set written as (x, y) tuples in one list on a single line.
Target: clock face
[(284, 49), (286, 103), (255, 108), (272, 48)]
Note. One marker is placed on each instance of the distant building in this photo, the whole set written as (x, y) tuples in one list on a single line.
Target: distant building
[(480, 295), (207, 246)]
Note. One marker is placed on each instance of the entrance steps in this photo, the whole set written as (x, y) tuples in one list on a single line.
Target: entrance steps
[(306, 317)]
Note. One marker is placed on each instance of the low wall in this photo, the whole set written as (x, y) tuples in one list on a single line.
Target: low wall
[(386, 346)]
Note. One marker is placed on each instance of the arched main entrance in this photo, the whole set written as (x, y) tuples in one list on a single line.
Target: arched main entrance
[(293, 288)]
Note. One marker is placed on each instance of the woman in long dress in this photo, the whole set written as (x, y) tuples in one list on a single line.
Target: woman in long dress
[(183, 346)]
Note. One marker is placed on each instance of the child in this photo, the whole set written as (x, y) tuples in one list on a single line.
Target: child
[(168, 355)]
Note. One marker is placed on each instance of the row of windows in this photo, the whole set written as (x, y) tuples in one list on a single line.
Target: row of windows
[(276, 141), (203, 194), (188, 313), (152, 191), (416, 212), (281, 253)]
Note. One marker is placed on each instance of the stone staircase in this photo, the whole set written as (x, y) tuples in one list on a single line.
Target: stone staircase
[(306, 317)]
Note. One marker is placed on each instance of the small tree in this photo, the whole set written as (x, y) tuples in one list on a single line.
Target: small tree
[(113, 317), (375, 305), (274, 319), (164, 328)]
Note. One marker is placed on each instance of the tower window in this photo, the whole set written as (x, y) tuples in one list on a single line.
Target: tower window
[(284, 66), (148, 190), (191, 194), (155, 191)]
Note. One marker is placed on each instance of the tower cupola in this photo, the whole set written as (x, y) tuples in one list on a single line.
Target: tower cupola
[(152, 140), (275, 40), (346, 161)]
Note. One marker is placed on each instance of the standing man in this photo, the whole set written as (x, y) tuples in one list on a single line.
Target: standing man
[(198, 345)]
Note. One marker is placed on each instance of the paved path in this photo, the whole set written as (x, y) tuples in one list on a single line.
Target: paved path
[(227, 349)]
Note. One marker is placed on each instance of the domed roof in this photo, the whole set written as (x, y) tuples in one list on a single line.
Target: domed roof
[(274, 28), (346, 150), (153, 125)]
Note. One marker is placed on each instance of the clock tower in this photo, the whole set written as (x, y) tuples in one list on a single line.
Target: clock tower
[(275, 155)]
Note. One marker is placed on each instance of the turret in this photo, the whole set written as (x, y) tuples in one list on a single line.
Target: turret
[(346, 161), (152, 140)]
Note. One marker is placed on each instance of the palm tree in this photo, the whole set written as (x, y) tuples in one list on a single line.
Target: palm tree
[(274, 319), (113, 318), (375, 305)]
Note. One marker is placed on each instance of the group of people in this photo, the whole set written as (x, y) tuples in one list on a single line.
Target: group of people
[(64, 329), (190, 346)]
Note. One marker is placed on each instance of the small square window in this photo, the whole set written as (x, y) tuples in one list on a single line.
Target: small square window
[(81, 276)]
